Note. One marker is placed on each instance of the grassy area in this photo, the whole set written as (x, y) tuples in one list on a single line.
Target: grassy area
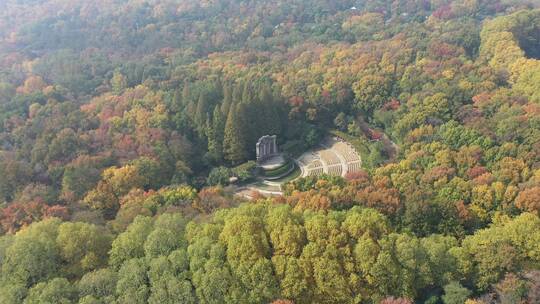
[(291, 176), (279, 170)]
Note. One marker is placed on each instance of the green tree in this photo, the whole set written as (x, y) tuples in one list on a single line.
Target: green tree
[(215, 134), (211, 275), (118, 82), (248, 253), (132, 286), (202, 111), (57, 290), (152, 172), (235, 141), (33, 256), (341, 121), (170, 279), (130, 244), (83, 247), (12, 293), (454, 293), (160, 242), (99, 284), (371, 92), (219, 176), (81, 175)]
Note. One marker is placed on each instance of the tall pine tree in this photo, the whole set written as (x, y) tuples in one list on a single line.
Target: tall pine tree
[(215, 133), (186, 94), (201, 111), (227, 99), (234, 142), (270, 120)]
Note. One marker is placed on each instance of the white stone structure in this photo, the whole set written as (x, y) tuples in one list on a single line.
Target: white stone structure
[(266, 148)]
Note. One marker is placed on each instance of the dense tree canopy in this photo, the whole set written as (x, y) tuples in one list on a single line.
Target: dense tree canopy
[(260, 252)]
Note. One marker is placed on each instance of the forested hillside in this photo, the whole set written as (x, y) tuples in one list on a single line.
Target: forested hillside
[(121, 123)]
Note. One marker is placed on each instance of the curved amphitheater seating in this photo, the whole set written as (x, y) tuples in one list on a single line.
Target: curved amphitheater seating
[(315, 164), (335, 170), (317, 171), (355, 167), (329, 157), (348, 152), (307, 158), (336, 157)]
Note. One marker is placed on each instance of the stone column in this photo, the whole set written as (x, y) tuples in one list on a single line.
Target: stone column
[(268, 148), (258, 150)]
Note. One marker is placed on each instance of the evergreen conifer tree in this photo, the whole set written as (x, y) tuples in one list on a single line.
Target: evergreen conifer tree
[(227, 99), (215, 133), (234, 142)]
